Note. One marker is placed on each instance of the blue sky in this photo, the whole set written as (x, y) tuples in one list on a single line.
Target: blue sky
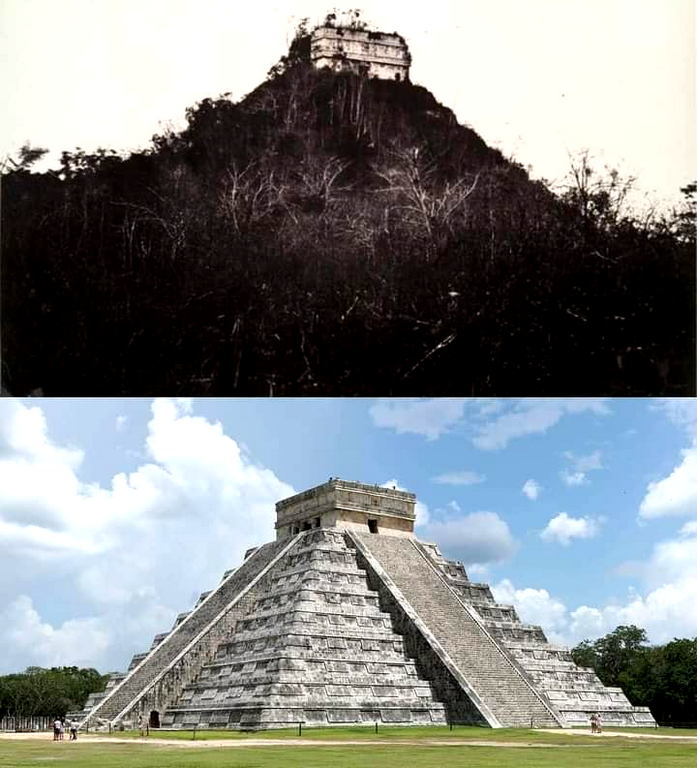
[(115, 514)]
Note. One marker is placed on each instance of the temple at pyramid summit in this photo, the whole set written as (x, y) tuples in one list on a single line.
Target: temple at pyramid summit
[(347, 618)]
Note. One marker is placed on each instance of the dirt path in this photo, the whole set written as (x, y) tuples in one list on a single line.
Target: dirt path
[(300, 742), (188, 744), (622, 734)]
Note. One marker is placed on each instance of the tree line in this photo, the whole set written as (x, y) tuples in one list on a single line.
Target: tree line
[(330, 234), (661, 677), (48, 692)]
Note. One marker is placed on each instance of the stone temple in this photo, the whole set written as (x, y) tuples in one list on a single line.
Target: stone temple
[(375, 54), (347, 618)]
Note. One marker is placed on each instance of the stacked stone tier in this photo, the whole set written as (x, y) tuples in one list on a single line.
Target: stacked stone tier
[(168, 647), (575, 692), (489, 672), (316, 635), (313, 647)]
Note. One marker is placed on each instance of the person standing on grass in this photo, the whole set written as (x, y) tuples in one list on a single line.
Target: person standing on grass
[(594, 723), (61, 729), (598, 722), (56, 729), (73, 730)]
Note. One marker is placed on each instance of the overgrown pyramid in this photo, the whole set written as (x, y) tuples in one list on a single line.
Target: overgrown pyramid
[(348, 618)]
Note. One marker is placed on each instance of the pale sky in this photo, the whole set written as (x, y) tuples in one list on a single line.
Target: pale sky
[(115, 514), (538, 79)]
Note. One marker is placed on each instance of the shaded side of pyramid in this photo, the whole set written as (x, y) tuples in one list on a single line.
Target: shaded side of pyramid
[(576, 692)]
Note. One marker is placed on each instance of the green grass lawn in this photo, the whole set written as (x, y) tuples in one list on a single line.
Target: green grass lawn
[(548, 750), (358, 733), (397, 733), (606, 755)]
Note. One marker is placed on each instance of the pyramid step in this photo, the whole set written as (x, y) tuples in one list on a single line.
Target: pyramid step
[(491, 679), (311, 645), (135, 685)]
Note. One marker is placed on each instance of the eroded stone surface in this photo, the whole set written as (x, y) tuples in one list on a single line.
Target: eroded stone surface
[(375, 54), (348, 618)]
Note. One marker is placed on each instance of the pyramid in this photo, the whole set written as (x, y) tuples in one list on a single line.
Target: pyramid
[(347, 618)]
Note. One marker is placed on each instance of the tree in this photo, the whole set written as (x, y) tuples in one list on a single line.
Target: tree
[(431, 205), (298, 52), (48, 692), (662, 677), (28, 155), (617, 651), (585, 654), (674, 667), (599, 200), (683, 221)]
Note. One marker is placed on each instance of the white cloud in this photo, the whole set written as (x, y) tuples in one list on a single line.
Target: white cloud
[(585, 463), (675, 494), (580, 467), (563, 528), (534, 606), (428, 417), (23, 435), (27, 640), (572, 478), (120, 423), (493, 422), (532, 416), (461, 477), (681, 411), (531, 489), (674, 559), (666, 609), (480, 537), (666, 612), (112, 547)]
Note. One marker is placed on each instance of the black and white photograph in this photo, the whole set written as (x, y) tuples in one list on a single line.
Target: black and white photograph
[(279, 198)]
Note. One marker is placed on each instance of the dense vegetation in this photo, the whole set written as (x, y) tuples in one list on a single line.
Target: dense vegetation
[(661, 677), (335, 235), (48, 692)]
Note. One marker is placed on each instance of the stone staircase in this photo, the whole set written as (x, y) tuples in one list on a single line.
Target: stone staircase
[(168, 648), (337, 623), (499, 687), (315, 647), (574, 692)]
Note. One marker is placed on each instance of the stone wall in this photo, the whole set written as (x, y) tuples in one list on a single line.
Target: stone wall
[(341, 503), (377, 54)]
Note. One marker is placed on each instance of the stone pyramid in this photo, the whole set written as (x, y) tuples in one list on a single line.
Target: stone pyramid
[(348, 619)]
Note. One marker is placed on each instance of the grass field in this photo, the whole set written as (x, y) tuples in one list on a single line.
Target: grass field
[(397, 733), (397, 748)]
